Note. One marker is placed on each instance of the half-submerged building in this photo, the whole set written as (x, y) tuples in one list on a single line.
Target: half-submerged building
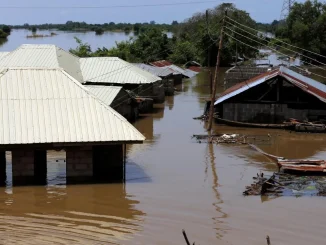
[(113, 71), (48, 109), (273, 97)]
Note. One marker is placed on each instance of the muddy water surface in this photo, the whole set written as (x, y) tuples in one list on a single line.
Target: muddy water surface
[(173, 183)]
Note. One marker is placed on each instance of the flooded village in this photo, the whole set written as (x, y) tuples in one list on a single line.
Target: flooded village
[(100, 147)]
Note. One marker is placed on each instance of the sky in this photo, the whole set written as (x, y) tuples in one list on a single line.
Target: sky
[(260, 10)]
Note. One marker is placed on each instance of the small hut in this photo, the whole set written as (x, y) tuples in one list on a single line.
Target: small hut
[(273, 97)]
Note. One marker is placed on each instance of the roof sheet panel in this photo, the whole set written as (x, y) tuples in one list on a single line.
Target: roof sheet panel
[(43, 56), (113, 70), (107, 94), (157, 71), (30, 115)]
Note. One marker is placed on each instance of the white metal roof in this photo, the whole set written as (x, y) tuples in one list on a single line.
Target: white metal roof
[(157, 71), (43, 56), (3, 54), (39, 105), (107, 94), (113, 70)]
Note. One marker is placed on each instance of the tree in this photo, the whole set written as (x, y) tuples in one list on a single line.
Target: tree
[(3, 34), (306, 27), (99, 31), (34, 29), (6, 29), (82, 50), (137, 27), (174, 23), (204, 37)]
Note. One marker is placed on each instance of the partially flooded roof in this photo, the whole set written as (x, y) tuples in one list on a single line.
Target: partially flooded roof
[(40, 105), (43, 56), (307, 84), (107, 94), (176, 69), (113, 70), (157, 71)]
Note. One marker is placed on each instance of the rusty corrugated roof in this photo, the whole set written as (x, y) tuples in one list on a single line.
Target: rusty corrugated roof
[(307, 84)]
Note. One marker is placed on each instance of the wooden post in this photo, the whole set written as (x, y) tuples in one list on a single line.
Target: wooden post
[(211, 112)]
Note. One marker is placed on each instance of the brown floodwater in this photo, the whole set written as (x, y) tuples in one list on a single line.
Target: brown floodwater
[(173, 183)]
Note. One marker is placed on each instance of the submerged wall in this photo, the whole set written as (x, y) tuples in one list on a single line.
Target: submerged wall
[(267, 113)]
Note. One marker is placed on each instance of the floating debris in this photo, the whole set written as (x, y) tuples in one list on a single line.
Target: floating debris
[(221, 139), (232, 139), (280, 184)]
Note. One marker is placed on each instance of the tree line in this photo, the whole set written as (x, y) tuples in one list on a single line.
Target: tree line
[(98, 28), (195, 39)]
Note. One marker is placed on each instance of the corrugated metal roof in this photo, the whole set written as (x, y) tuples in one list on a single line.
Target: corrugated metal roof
[(107, 94), (186, 73), (157, 71), (113, 70), (161, 63), (43, 55), (177, 70), (309, 85), (3, 54), (50, 106)]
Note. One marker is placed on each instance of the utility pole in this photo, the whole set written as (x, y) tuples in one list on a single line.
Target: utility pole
[(211, 111), (286, 9)]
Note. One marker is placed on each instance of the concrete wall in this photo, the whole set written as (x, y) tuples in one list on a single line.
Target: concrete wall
[(28, 167), (79, 164), (266, 113)]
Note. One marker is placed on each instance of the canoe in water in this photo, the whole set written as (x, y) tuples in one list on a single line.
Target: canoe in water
[(310, 127), (254, 125)]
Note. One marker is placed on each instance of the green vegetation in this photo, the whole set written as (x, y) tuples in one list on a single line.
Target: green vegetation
[(83, 26), (99, 31), (3, 34), (4, 31), (305, 27), (34, 29), (194, 39)]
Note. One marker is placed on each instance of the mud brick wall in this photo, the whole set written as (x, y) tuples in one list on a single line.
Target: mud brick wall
[(266, 113), (79, 162)]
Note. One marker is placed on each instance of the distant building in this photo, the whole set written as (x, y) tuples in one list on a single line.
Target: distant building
[(167, 75), (186, 73), (273, 97)]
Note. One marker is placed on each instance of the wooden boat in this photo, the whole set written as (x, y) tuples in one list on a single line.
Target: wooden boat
[(310, 127), (295, 165), (254, 125), (299, 165)]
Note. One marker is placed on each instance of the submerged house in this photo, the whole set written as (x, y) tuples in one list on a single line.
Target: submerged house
[(113, 71), (48, 109), (186, 73), (273, 97), (166, 74)]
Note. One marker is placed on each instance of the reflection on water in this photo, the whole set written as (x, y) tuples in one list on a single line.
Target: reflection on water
[(64, 39), (92, 214)]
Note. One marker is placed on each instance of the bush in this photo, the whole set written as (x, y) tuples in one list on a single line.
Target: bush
[(99, 31)]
